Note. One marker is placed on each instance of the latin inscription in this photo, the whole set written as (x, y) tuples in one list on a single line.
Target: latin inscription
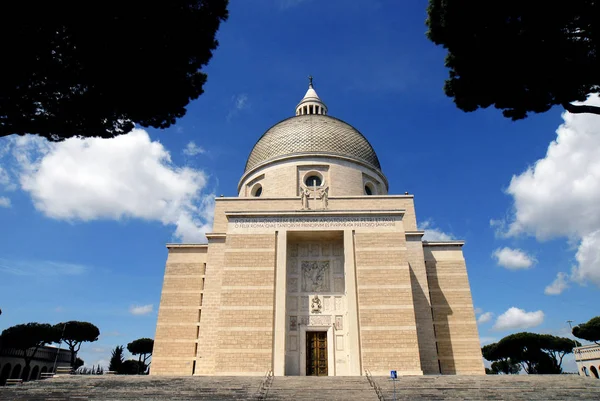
[(308, 222)]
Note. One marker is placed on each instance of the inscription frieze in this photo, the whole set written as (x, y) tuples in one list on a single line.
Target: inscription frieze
[(311, 222)]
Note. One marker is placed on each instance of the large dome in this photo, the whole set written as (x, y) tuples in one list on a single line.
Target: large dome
[(314, 134)]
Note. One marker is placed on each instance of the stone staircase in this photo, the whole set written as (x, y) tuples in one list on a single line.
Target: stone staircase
[(146, 388), (491, 387), (152, 388), (320, 388)]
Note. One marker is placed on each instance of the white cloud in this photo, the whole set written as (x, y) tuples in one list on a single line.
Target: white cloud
[(240, 102), (485, 317), (515, 318), (478, 311), (558, 196), (141, 309), (513, 259), (588, 259), (192, 149), (558, 285), (5, 180), (129, 176), (487, 340), (433, 233), (41, 268), (4, 201)]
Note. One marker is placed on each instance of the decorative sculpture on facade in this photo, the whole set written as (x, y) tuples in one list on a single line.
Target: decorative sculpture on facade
[(324, 195), (304, 195), (320, 193), (315, 276), (315, 305)]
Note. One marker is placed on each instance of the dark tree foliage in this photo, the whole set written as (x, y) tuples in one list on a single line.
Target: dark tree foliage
[(116, 359), (96, 69), (78, 363), (132, 367), (74, 333), (506, 366), (143, 348), (28, 338), (519, 56), (536, 353), (589, 331)]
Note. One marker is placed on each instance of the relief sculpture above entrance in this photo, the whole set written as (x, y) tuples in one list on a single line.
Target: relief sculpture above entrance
[(315, 276)]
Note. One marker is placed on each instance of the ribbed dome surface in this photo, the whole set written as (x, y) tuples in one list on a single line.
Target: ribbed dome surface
[(312, 134)]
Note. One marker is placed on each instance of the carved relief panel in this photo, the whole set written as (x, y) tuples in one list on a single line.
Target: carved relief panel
[(315, 276)]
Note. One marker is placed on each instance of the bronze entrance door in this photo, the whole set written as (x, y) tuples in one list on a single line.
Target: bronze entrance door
[(316, 353)]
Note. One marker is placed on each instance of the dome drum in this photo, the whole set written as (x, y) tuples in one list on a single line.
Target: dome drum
[(313, 136)]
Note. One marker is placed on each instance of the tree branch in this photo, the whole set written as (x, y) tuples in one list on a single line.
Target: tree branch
[(582, 108)]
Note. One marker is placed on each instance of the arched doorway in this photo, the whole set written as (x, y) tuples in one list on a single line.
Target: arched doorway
[(35, 373), (594, 371), (25, 374), (585, 371), (4, 373), (16, 373)]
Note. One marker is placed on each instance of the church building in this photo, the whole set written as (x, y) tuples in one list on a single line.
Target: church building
[(315, 269)]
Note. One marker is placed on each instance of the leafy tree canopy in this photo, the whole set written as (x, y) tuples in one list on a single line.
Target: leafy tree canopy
[(519, 56), (589, 331), (81, 71), (117, 359), (537, 353), (506, 366), (132, 367), (78, 363), (29, 337), (74, 333), (141, 346)]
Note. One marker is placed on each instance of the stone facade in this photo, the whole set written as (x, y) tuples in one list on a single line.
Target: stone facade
[(314, 243), (587, 358), (46, 358)]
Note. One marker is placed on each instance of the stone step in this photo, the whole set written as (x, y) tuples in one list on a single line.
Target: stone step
[(320, 388), (152, 388), (491, 387)]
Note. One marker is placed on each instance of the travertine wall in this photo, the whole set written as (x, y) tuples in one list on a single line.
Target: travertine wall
[(422, 304), (453, 315), (406, 306), (388, 330), (281, 178), (246, 318), (349, 203), (178, 313)]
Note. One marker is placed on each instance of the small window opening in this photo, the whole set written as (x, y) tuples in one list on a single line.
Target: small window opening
[(313, 180), (256, 190), (368, 190)]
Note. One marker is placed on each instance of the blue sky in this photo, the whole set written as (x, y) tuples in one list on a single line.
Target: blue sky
[(83, 224)]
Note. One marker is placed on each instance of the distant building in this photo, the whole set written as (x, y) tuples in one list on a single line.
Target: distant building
[(316, 269), (12, 364), (588, 360)]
